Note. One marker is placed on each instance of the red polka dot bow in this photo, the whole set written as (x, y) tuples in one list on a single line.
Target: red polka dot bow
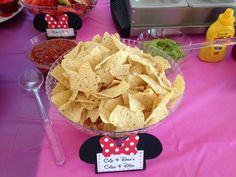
[(61, 23), (109, 146)]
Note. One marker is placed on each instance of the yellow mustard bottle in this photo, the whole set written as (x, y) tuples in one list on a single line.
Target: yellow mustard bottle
[(223, 27)]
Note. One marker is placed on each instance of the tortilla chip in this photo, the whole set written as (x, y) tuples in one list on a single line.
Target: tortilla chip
[(84, 80), (103, 76), (147, 98), (57, 73), (61, 98), (97, 38), (153, 84), (179, 84), (120, 70), (115, 91), (118, 43), (74, 52), (72, 110), (59, 88), (179, 87), (161, 64), (125, 119), (135, 104), (93, 115), (161, 111), (107, 106), (108, 42), (153, 73), (137, 68), (118, 58)]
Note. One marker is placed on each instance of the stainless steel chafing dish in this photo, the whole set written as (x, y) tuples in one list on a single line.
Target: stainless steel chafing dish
[(190, 16)]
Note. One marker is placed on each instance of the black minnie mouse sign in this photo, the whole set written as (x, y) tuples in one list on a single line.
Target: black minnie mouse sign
[(131, 155), (64, 27)]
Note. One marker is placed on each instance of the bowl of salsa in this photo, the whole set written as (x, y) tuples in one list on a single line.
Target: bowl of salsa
[(43, 53)]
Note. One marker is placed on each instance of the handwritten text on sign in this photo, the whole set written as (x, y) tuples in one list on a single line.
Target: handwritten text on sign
[(68, 32), (120, 162)]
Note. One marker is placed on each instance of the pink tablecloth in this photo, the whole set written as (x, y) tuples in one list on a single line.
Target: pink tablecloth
[(199, 139)]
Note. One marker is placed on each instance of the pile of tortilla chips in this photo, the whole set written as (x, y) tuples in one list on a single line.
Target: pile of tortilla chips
[(106, 85)]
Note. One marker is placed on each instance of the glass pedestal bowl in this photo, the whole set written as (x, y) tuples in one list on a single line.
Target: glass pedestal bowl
[(170, 73)]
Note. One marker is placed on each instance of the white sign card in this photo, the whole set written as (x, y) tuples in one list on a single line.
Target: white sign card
[(120, 162), (60, 32)]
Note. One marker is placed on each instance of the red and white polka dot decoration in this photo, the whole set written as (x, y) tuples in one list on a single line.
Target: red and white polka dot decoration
[(52, 23), (109, 146)]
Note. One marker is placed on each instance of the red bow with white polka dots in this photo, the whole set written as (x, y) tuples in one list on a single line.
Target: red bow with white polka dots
[(61, 23), (109, 146)]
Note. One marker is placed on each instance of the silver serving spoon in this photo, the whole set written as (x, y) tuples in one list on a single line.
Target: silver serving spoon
[(31, 81)]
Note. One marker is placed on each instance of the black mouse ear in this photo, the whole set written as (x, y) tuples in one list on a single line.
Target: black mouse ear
[(74, 20), (150, 144), (40, 23), (89, 149)]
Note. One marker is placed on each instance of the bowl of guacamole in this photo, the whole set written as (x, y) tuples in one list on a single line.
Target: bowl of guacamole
[(165, 42)]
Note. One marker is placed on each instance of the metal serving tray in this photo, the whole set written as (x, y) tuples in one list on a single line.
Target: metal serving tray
[(157, 3), (211, 3), (190, 16)]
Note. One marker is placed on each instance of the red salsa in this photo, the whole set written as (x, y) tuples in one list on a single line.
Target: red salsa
[(48, 52)]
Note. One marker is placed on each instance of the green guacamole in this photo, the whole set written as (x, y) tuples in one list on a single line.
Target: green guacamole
[(170, 47)]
